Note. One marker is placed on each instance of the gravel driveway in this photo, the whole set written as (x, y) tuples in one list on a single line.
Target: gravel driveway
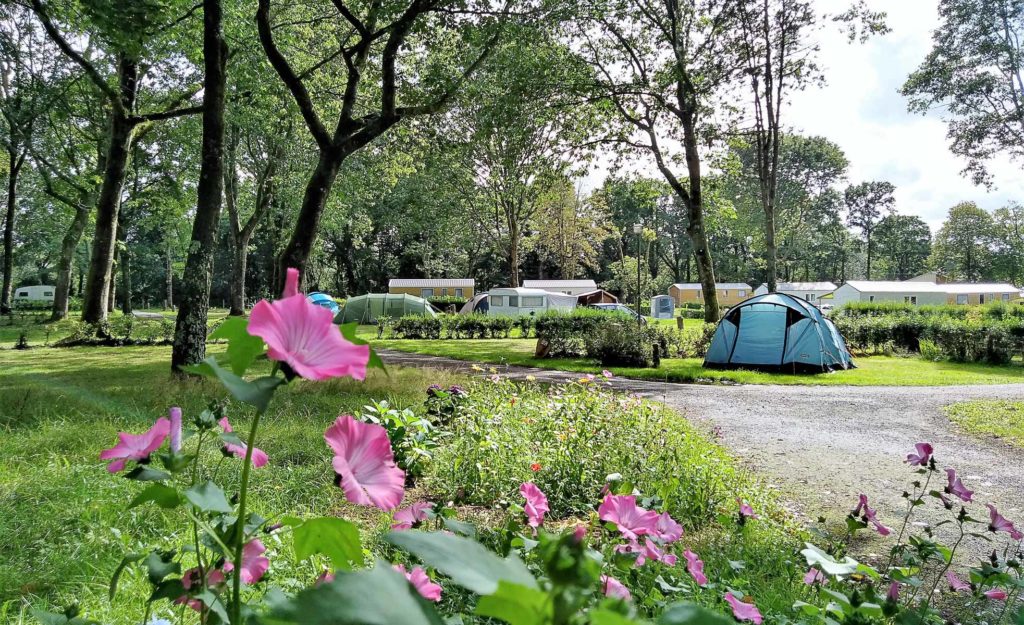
[(822, 445)]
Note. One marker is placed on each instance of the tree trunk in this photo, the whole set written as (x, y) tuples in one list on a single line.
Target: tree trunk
[(15, 161), (299, 247), (190, 329), (771, 249), (868, 235), (695, 227), (126, 281), (65, 264), (513, 255)]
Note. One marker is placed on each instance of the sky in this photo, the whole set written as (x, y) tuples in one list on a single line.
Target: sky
[(862, 111)]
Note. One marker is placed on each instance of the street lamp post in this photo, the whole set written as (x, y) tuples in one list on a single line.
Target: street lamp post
[(638, 230)]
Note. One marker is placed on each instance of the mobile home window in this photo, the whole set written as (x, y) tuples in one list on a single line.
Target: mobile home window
[(458, 292), (741, 293), (1006, 297), (444, 292), (497, 300), (871, 298), (910, 299), (513, 301), (533, 302), (22, 293), (725, 292), (981, 298), (961, 299), (424, 293), (47, 293)]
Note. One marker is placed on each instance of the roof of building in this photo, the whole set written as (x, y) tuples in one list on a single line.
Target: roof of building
[(430, 282), (892, 286), (695, 286), (803, 286), (559, 284)]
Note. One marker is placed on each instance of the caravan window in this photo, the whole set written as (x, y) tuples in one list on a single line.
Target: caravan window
[(22, 293), (1006, 297), (497, 300), (533, 302), (910, 299), (513, 301), (47, 293), (961, 299)]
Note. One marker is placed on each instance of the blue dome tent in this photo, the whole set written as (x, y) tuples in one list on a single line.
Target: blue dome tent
[(777, 332), (324, 300)]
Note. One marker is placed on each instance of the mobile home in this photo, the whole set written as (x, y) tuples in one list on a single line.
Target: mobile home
[(433, 287), (729, 293), (807, 291), (569, 287)]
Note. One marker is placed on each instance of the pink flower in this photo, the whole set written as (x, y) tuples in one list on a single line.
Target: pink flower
[(254, 563), (190, 578), (325, 578), (615, 589), (175, 429), (814, 576), (923, 455), (995, 593), (631, 520), (608, 374), (259, 457), (893, 593), (956, 487), (579, 533), (647, 551), (956, 583), (868, 515), (743, 611), (745, 510), (414, 514), (695, 567), (364, 463), (536, 503), (666, 529), (303, 335), (136, 447), (419, 580), (998, 523)]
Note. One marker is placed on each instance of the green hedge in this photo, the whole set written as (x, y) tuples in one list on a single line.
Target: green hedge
[(444, 301), (995, 310), (456, 327), (566, 332)]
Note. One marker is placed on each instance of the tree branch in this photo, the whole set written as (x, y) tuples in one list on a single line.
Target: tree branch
[(168, 114)]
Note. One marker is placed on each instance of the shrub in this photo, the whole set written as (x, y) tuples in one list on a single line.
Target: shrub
[(624, 345), (417, 327), (566, 332), (444, 301)]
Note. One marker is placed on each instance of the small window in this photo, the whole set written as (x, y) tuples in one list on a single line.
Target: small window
[(981, 298), (871, 298), (425, 293), (458, 292), (961, 299), (725, 292), (513, 301), (910, 299), (22, 293), (533, 302), (444, 292), (497, 300), (50, 294), (741, 293), (811, 297), (1006, 297)]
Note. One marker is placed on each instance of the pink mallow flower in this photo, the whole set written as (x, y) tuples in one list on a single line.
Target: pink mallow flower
[(743, 611), (536, 503), (893, 594), (999, 523), (607, 374), (303, 335), (254, 563), (615, 589), (648, 551), (695, 567), (869, 515), (745, 510), (996, 594), (191, 578), (136, 447), (921, 455), (175, 432), (364, 463), (259, 457), (667, 530), (419, 580), (956, 487), (406, 518), (814, 576), (631, 520), (956, 583)]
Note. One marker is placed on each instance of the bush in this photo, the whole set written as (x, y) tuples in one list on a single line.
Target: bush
[(566, 333), (444, 301), (624, 345), (417, 327)]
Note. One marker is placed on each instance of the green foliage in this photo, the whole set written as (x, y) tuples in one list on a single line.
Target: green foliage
[(625, 344), (566, 332), (413, 437)]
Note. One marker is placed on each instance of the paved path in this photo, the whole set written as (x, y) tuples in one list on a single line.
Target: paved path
[(821, 445)]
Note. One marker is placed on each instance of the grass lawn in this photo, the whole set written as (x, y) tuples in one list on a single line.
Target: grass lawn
[(1000, 418), (871, 371)]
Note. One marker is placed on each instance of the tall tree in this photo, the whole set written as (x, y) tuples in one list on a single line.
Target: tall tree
[(194, 299), (374, 73), (661, 66), (903, 245), (570, 231), (973, 76), (126, 29), (963, 245), (866, 204), (1009, 238)]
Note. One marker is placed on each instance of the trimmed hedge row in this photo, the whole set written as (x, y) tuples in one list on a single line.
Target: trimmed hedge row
[(995, 310), (457, 327)]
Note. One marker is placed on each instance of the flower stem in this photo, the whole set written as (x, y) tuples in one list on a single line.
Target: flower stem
[(906, 519), (236, 606), (938, 579)]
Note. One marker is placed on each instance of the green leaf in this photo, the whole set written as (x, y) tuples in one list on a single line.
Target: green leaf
[(607, 617), (459, 527), (348, 330), (131, 558), (208, 497), (159, 565), (163, 496), (256, 393), (213, 602), (335, 538), (243, 348), (691, 614), (828, 564), (516, 605), (143, 473), (377, 596), (466, 561), (809, 609)]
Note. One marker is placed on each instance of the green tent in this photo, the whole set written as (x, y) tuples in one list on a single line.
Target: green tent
[(367, 308)]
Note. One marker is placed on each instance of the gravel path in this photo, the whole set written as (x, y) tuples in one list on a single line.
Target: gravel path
[(822, 445)]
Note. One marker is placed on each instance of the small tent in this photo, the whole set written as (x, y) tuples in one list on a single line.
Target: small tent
[(777, 332), (368, 308), (478, 304)]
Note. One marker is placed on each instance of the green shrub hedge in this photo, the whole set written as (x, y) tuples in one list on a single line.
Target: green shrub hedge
[(456, 327)]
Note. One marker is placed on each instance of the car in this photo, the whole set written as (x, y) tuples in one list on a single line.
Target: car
[(620, 309)]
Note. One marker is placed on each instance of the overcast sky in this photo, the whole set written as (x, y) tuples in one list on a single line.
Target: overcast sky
[(861, 110)]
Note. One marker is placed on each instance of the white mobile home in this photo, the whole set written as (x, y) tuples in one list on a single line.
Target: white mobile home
[(518, 302), (807, 291), (40, 294), (569, 287), (918, 293)]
